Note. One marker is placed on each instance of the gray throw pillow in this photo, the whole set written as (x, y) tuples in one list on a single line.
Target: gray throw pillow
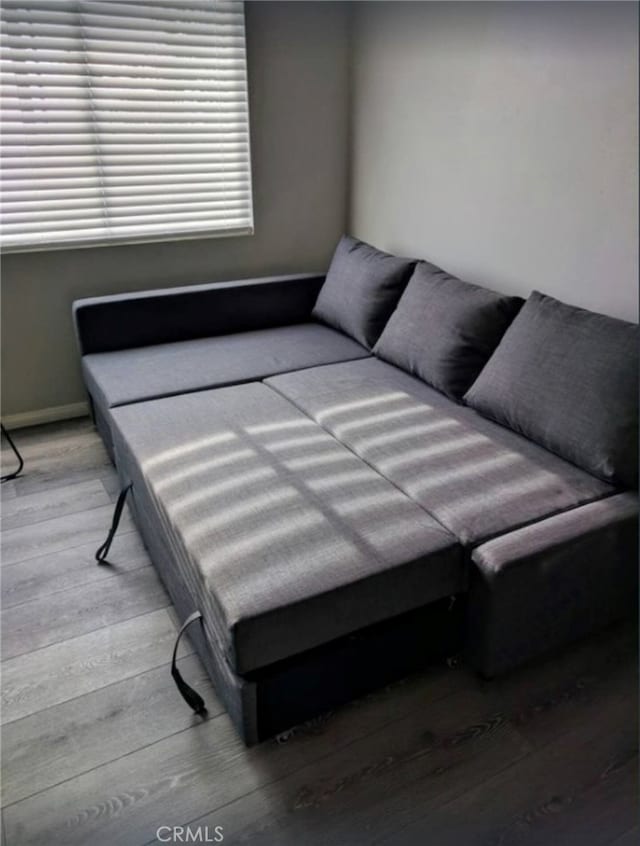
[(361, 290), (444, 329), (568, 379)]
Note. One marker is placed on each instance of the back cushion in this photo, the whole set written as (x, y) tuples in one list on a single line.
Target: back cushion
[(568, 379), (444, 329), (361, 290)]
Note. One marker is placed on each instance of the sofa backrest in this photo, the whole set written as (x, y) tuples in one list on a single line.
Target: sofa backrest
[(444, 329), (562, 376), (361, 290), (143, 318), (567, 379)]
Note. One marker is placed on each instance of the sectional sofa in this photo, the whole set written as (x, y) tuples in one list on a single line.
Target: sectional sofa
[(341, 478)]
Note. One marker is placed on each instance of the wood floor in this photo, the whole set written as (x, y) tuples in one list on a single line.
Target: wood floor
[(98, 748)]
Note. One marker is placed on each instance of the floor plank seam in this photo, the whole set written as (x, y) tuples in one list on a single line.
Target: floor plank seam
[(32, 519), (66, 548), (84, 634), (497, 774), (108, 574), (103, 688), (108, 763), (94, 690), (32, 523), (533, 752), (88, 632), (100, 687)]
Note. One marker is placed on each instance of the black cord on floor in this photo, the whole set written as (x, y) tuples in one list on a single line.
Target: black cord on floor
[(17, 472)]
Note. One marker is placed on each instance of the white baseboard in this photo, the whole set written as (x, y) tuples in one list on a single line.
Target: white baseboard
[(46, 415)]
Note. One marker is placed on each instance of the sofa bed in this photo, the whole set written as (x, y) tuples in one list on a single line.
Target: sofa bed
[(342, 477)]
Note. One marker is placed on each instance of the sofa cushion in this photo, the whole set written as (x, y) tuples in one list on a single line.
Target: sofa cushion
[(444, 330), (476, 478), (285, 539), (124, 376), (361, 289), (568, 379)]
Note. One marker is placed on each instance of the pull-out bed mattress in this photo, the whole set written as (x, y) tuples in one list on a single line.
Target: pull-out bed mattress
[(277, 533)]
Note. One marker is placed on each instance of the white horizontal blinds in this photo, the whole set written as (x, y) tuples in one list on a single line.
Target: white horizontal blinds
[(123, 121)]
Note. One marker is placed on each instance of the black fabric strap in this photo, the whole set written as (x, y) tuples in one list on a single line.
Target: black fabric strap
[(103, 551), (193, 699)]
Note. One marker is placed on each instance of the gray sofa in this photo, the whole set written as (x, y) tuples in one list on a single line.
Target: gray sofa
[(349, 476)]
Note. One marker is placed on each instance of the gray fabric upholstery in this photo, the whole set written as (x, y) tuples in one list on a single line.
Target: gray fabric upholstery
[(568, 379), (476, 478), (125, 376), (444, 330), (361, 289), (547, 584), (238, 694), (284, 538), (145, 318)]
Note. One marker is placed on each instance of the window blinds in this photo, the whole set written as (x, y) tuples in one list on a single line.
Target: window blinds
[(123, 121)]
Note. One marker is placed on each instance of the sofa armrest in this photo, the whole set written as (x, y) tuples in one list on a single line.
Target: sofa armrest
[(162, 316), (542, 586)]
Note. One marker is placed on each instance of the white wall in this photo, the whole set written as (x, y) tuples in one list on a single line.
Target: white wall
[(500, 141), (298, 70)]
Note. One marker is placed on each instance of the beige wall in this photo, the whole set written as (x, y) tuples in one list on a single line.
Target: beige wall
[(500, 141), (297, 58)]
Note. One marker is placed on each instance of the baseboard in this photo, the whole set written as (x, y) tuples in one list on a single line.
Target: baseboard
[(46, 415)]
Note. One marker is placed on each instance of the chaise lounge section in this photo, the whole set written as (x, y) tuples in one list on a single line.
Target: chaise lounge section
[(325, 476)]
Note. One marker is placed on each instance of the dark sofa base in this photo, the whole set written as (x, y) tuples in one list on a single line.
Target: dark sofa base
[(321, 679), (271, 700)]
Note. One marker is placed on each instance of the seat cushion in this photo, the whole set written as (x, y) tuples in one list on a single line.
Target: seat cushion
[(124, 376), (476, 478), (361, 290), (568, 379), (285, 539), (444, 329)]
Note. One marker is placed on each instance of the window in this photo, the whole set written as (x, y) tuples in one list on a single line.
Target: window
[(123, 121)]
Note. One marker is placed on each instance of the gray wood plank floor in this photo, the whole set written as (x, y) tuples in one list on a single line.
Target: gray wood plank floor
[(98, 748)]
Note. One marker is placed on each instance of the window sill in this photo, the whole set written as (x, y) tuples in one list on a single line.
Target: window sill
[(163, 237)]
